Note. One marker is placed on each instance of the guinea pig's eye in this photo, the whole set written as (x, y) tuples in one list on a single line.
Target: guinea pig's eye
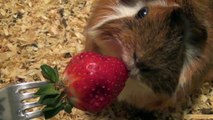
[(142, 12)]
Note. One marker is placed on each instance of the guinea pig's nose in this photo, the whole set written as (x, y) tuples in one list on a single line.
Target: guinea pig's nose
[(143, 67)]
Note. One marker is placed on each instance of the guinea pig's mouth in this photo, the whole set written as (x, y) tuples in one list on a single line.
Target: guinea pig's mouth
[(128, 59), (134, 72)]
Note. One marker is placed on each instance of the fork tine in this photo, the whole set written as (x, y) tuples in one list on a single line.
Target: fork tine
[(30, 85), (34, 114), (30, 105), (27, 95)]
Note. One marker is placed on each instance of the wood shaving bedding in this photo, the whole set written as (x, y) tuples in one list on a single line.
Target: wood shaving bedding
[(34, 32)]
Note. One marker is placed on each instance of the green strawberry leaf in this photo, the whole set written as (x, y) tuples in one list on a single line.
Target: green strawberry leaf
[(56, 73), (50, 73), (48, 99), (68, 107), (47, 89), (50, 111)]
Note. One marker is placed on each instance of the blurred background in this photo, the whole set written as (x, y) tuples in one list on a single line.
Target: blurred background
[(34, 32)]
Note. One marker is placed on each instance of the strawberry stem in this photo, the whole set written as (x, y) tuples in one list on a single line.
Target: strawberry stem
[(53, 95)]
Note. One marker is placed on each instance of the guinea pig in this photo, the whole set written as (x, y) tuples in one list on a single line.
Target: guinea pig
[(166, 45)]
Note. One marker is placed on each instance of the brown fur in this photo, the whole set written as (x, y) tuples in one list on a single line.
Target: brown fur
[(158, 46), (100, 11)]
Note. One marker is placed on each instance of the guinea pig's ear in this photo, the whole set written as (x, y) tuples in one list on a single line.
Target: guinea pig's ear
[(194, 32), (104, 39), (90, 42)]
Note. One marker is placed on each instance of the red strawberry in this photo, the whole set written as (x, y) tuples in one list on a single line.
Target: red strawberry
[(90, 82), (94, 81)]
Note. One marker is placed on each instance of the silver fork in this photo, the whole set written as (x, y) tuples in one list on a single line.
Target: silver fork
[(12, 106)]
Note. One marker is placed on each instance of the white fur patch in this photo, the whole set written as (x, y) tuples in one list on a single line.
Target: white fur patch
[(126, 11), (121, 11), (189, 61)]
